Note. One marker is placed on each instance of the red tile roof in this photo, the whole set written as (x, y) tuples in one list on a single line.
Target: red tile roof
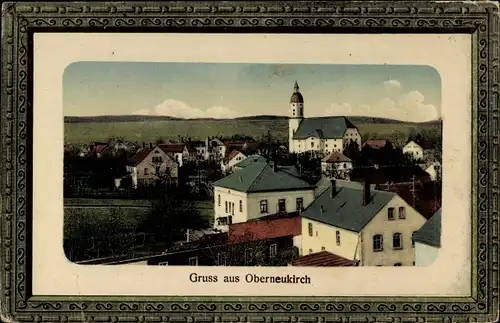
[(376, 143), (336, 157), (140, 155), (99, 148), (172, 148), (323, 259), (264, 229), (231, 155)]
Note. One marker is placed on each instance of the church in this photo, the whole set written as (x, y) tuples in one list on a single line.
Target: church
[(320, 135)]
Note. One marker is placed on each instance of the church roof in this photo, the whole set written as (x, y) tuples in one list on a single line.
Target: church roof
[(323, 128), (296, 96)]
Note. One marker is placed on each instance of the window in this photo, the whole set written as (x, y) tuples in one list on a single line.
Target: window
[(310, 229), (398, 264), (156, 159), (312, 144), (232, 208), (293, 111), (273, 250), (378, 242), (263, 206), (397, 241), (193, 261), (337, 237), (227, 207), (390, 213), (402, 214), (146, 171), (241, 206), (229, 220), (323, 248), (326, 145), (218, 199), (299, 204), (281, 205), (221, 259), (164, 263), (412, 241)]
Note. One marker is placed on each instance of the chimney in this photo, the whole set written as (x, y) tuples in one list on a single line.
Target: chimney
[(333, 191), (151, 145), (366, 193), (143, 145)]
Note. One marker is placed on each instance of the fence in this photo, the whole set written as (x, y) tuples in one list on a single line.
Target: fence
[(84, 248)]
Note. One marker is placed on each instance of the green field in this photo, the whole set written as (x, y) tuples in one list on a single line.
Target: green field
[(120, 215), (150, 131)]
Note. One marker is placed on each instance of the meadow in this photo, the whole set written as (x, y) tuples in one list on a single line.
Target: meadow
[(150, 131), (117, 214)]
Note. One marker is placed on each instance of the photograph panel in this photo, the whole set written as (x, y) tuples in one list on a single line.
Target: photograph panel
[(245, 164)]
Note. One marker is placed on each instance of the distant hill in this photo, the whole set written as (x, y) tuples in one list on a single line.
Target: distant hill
[(142, 118)]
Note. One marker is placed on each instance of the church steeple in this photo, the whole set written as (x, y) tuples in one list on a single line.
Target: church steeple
[(296, 87)]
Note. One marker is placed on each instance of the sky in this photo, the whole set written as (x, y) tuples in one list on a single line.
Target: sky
[(227, 90)]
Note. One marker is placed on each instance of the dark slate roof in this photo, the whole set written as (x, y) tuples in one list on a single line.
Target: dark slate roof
[(297, 98), (261, 177), (323, 127), (430, 232), (345, 210), (324, 183), (249, 160)]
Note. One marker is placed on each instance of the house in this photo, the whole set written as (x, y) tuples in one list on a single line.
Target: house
[(418, 148), (434, 170), (370, 226), (389, 174), (200, 147), (321, 135), (179, 152), (233, 158), (266, 241), (336, 165), (216, 150), (249, 160), (427, 241), (150, 164), (323, 259), (258, 190)]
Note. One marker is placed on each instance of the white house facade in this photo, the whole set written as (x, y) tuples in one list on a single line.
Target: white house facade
[(320, 135), (336, 164), (427, 241), (357, 223), (258, 190)]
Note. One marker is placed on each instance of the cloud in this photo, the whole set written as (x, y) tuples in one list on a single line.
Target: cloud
[(179, 109), (410, 106), (392, 85)]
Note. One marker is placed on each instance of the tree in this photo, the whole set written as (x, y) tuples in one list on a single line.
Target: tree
[(169, 218)]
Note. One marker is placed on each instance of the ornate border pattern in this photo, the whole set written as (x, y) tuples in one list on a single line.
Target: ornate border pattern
[(21, 20)]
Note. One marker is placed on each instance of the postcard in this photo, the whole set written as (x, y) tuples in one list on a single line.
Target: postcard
[(285, 165)]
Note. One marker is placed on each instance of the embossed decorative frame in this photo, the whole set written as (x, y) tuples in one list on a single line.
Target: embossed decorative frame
[(22, 19)]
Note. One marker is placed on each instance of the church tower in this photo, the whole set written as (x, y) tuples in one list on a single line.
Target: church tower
[(296, 116)]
